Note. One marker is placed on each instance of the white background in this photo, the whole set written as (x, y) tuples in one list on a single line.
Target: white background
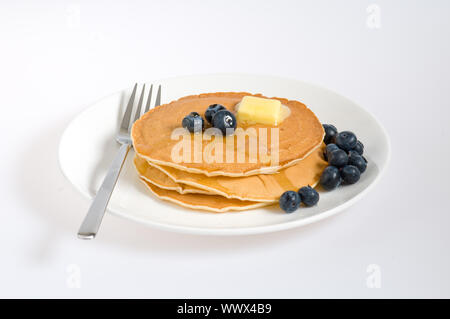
[(57, 57)]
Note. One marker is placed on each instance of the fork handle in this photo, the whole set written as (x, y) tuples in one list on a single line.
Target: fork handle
[(93, 219)]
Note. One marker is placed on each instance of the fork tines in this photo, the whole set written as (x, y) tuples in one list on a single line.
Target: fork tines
[(126, 123)]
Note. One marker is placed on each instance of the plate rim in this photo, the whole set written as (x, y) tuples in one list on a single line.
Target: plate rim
[(229, 231)]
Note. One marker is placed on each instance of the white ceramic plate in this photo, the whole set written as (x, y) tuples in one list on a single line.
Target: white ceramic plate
[(87, 148)]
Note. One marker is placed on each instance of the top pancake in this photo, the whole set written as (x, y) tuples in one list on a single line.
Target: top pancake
[(299, 134)]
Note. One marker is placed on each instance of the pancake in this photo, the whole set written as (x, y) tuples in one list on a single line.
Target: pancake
[(260, 188), (213, 203), (162, 180), (299, 134)]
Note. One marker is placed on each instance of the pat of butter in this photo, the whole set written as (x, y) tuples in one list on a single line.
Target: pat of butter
[(259, 110)]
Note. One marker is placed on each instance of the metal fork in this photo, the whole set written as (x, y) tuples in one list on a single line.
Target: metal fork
[(93, 219)]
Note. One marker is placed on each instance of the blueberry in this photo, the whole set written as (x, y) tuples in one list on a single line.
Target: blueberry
[(330, 178), (338, 158), (330, 147), (346, 140), (353, 152), (308, 195), (330, 133), (359, 148), (358, 161), (193, 122), (213, 109), (350, 174), (225, 121), (289, 201)]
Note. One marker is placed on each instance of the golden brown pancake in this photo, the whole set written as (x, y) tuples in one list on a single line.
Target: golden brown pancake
[(299, 135), (162, 180), (213, 203), (259, 188)]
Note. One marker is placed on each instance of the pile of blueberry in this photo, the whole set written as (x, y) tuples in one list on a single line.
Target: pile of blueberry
[(216, 114), (344, 154), (290, 200)]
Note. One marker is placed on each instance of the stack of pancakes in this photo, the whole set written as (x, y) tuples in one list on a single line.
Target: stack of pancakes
[(226, 186)]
